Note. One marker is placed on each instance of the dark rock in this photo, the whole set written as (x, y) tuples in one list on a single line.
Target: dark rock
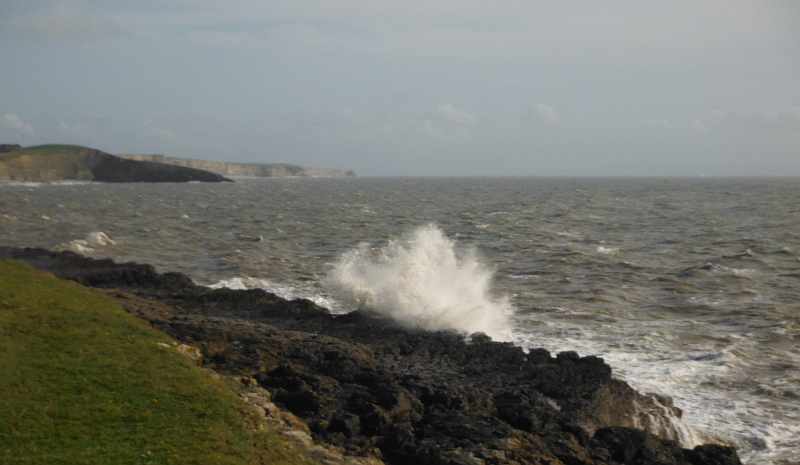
[(712, 454), (298, 402), (363, 383), (109, 168), (636, 447)]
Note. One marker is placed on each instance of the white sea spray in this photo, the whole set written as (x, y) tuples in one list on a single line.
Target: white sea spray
[(88, 244), (423, 280)]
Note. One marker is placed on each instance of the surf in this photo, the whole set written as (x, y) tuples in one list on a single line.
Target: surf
[(425, 280)]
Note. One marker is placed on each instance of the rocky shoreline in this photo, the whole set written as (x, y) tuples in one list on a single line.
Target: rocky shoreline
[(369, 388)]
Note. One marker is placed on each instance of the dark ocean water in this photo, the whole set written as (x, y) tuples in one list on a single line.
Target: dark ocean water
[(686, 287)]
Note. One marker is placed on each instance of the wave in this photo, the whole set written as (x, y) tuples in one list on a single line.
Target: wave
[(88, 244), (286, 291), (423, 280)]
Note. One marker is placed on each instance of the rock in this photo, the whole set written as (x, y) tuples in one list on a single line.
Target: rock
[(369, 388), (109, 168), (712, 454), (637, 447)]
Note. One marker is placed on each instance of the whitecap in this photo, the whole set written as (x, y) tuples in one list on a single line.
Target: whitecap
[(88, 244), (285, 291), (607, 250)]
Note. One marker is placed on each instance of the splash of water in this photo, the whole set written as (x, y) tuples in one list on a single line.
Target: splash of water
[(92, 242), (423, 280)]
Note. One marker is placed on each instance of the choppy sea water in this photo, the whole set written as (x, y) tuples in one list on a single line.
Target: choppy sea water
[(686, 287)]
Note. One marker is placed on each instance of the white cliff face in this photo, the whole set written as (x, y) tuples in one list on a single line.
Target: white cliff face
[(258, 170)]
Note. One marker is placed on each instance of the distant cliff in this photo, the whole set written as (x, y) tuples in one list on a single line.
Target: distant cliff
[(48, 163), (258, 170)]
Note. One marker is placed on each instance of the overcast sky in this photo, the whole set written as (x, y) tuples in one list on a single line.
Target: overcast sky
[(456, 87)]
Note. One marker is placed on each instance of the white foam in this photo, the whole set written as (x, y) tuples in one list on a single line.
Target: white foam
[(282, 290), (422, 280), (90, 243), (607, 250)]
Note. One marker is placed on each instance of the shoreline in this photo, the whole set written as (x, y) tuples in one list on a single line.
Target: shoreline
[(371, 388)]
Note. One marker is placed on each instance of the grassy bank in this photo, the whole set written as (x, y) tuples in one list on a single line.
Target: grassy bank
[(81, 381)]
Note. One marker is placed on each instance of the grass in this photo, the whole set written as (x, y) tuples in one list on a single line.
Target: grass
[(40, 150), (83, 382)]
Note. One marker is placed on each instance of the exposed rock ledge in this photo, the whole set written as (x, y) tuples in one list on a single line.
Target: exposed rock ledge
[(367, 388)]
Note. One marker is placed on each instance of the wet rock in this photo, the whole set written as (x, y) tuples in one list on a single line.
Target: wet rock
[(369, 388), (712, 454), (637, 447)]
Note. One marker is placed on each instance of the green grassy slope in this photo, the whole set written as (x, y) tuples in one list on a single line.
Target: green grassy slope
[(45, 163), (83, 382)]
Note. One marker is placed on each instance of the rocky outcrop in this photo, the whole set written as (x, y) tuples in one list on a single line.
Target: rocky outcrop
[(109, 168), (366, 387), (50, 163), (259, 170)]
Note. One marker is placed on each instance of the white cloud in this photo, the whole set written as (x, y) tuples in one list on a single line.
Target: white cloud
[(76, 129), (166, 134), (448, 111), (718, 114), (776, 119), (62, 18), (430, 129), (12, 122), (581, 32), (660, 123), (699, 126), (546, 113), (331, 119)]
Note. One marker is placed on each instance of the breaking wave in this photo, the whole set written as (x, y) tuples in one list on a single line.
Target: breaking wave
[(423, 280), (92, 242)]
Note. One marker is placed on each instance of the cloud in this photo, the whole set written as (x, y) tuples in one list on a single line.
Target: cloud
[(62, 18), (718, 114), (781, 120), (546, 113), (699, 126), (166, 134), (448, 111), (430, 129), (12, 122), (787, 119), (627, 32), (660, 123), (76, 129)]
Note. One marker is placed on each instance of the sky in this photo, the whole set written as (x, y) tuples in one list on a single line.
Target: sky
[(414, 88)]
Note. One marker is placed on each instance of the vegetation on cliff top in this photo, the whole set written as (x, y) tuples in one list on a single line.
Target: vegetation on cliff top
[(47, 149), (85, 382), (54, 162)]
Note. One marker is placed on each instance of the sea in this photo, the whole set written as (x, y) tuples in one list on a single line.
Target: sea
[(687, 287)]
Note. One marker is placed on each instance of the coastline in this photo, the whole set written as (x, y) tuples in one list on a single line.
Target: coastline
[(373, 389)]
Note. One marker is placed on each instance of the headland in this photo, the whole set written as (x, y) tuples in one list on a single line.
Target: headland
[(253, 170), (55, 163)]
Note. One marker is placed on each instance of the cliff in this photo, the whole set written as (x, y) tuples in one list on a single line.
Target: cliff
[(48, 163), (258, 170)]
